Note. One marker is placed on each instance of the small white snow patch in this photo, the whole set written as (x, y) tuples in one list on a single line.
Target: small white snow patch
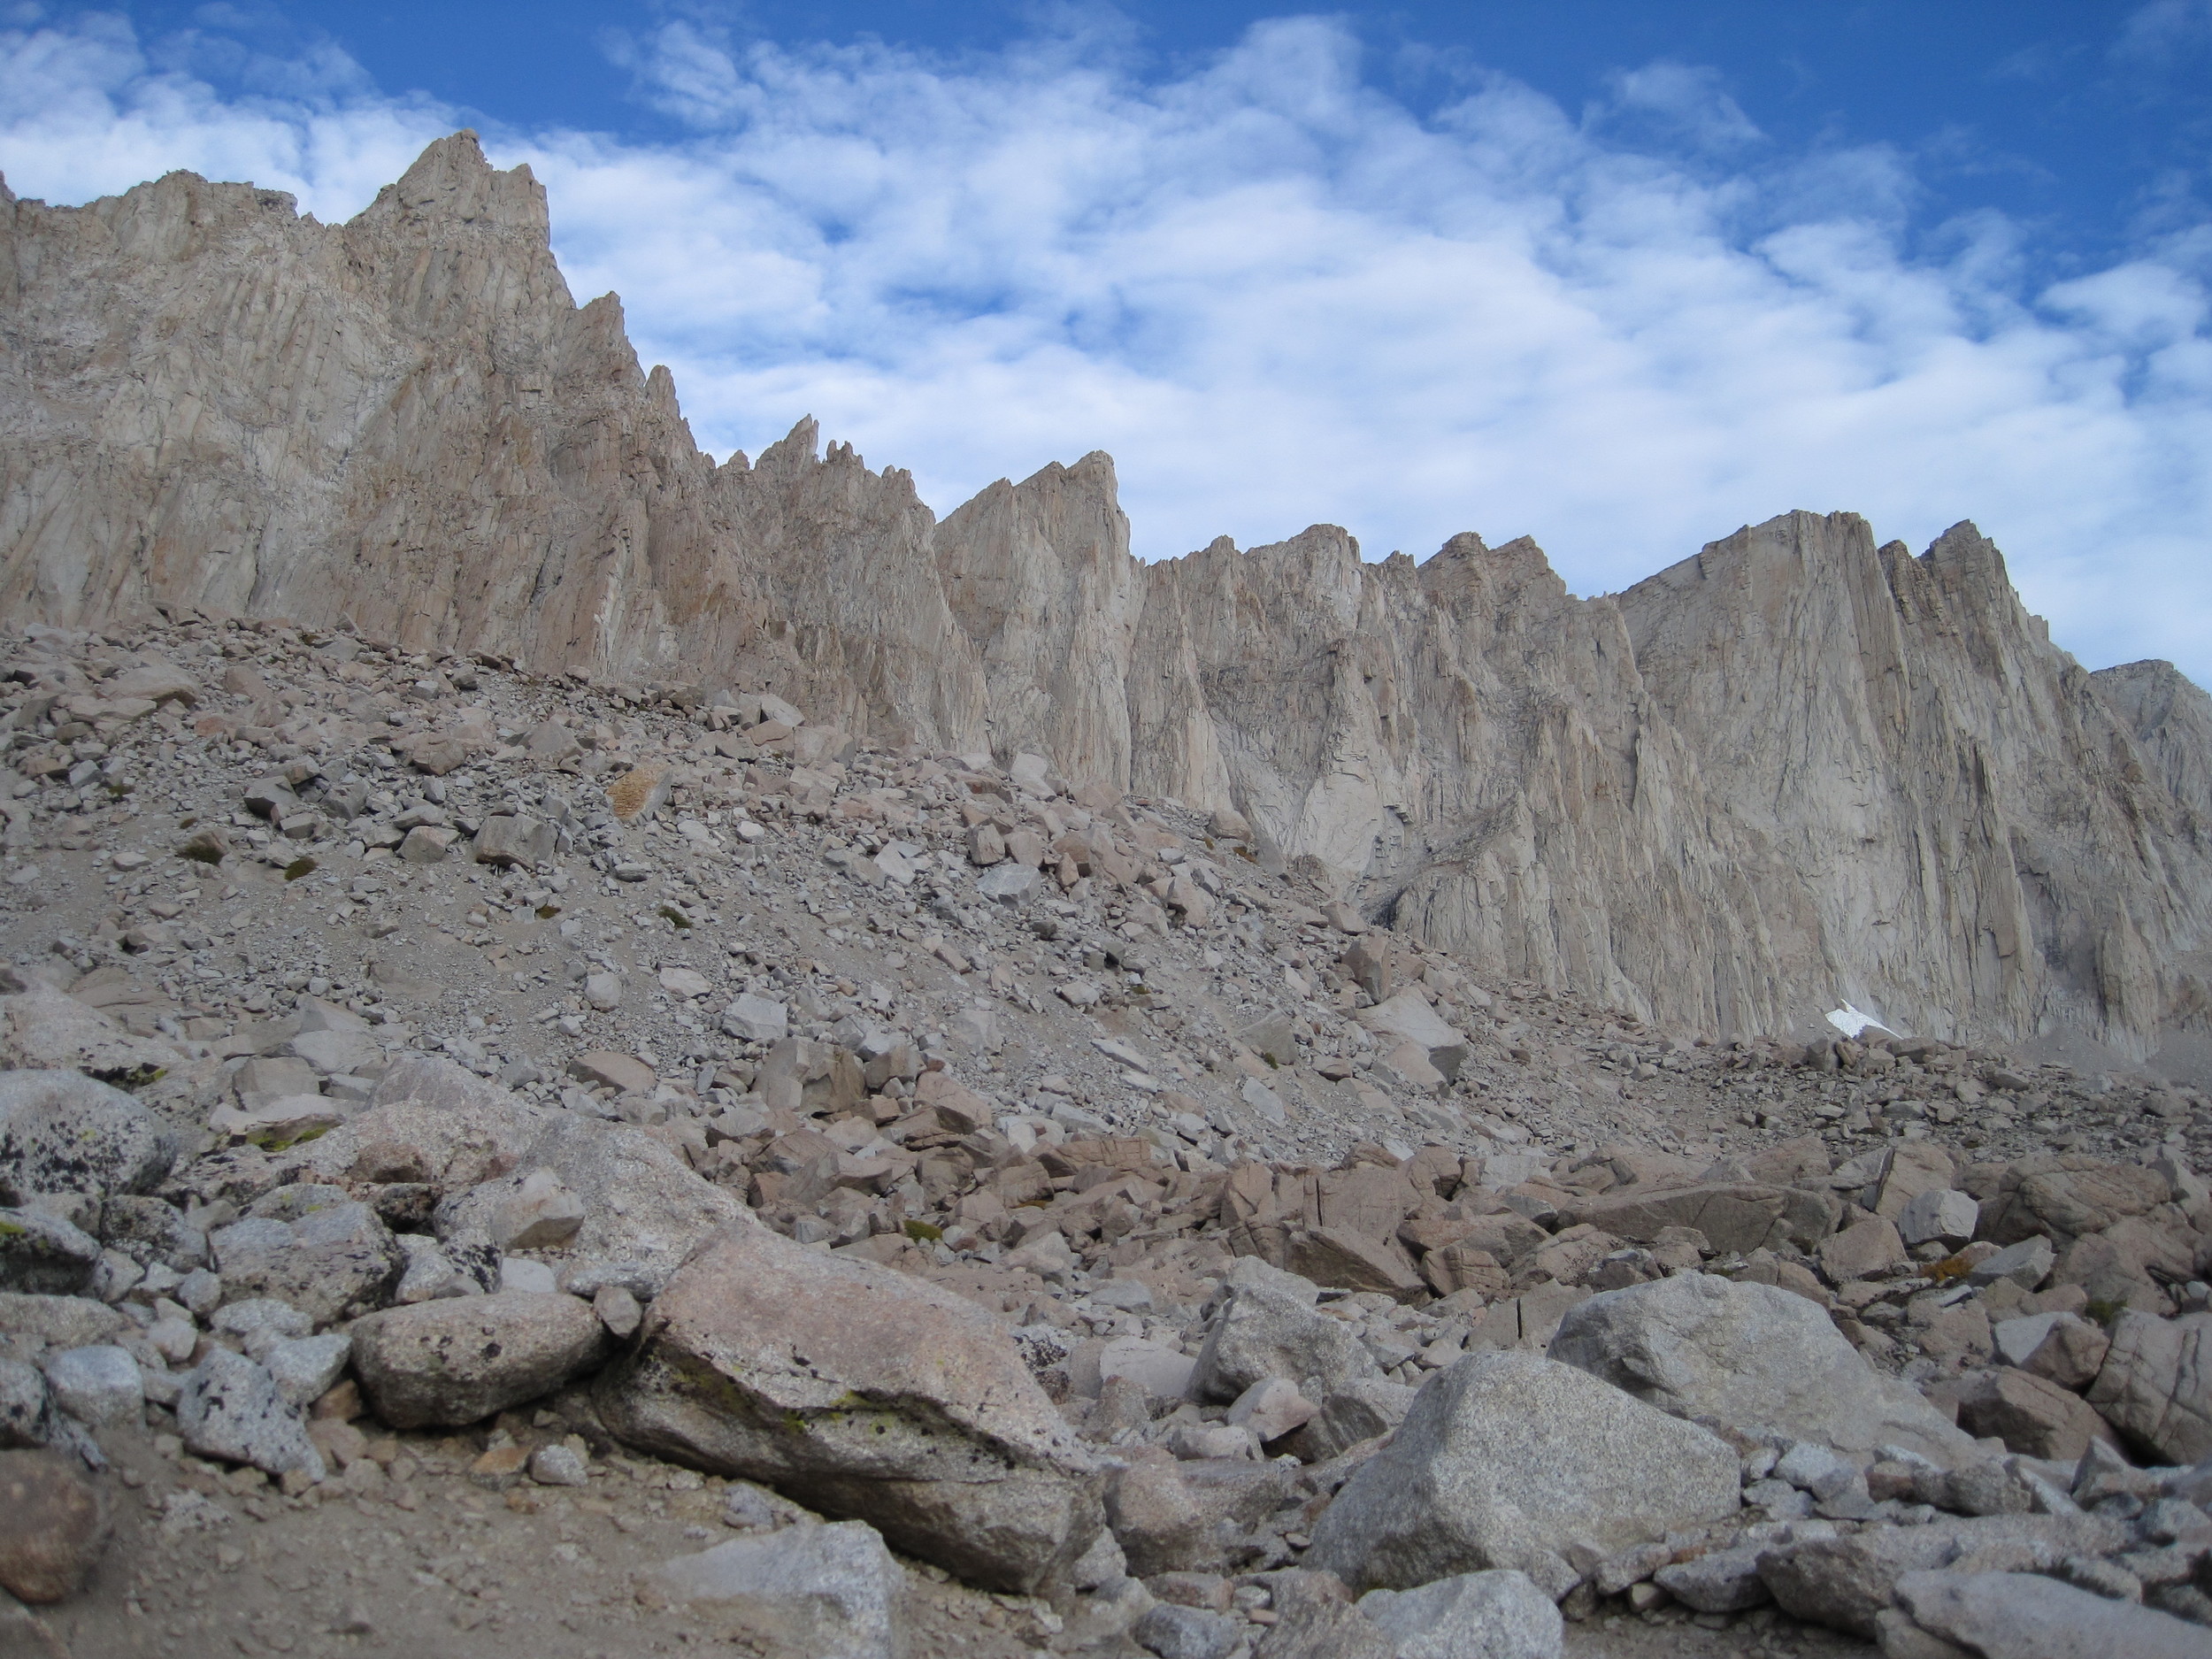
[(1851, 1021)]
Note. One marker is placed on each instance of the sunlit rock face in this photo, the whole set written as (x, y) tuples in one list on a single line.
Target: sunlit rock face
[(1796, 768)]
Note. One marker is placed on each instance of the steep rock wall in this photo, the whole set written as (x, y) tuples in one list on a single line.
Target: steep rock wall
[(1796, 767)]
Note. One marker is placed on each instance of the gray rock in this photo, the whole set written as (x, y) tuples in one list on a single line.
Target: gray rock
[(1507, 1460), (147, 1229), (99, 1386), (514, 838), (2027, 1265), (1845, 1582), (228, 1407), (306, 1368), (642, 1203), (334, 1257), (1758, 1358), (862, 1392), (1721, 1581), (59, 1321), (22, 1404), (560, 1465), (2026, 1616), (757, 1019), (1007, 883), (2155, 1386), (1173, 1632), (1263, 1333), (257, 1323), (832, 1592), (1177, 1517), (1938, 1214), (459, 1360), (61, 1132), (1359, 1410), (1471, 1615), (43, 1256)]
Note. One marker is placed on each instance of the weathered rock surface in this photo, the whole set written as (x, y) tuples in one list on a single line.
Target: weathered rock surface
[(52, 1526), (864, 1393), (1472, 1615), (828, 1591), (1846, 1582), (2026, 1616), (1703, 798), (459, 1359), (63, 1132), (1505, 1460), (1760, 1359)]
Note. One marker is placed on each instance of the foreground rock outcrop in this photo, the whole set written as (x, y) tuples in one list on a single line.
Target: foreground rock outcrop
[(1796, 767)]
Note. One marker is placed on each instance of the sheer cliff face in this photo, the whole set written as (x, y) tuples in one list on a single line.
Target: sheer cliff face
[(1794, 768)]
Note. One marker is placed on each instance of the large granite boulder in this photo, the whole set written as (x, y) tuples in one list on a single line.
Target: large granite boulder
[(1507, 1460), (1758, 1358), (63, 1132), (864, 1393)]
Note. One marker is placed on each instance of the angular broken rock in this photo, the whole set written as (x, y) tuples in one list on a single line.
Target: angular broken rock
[(2028, 1616), (459, 1359), (1500, 1614), (1265, 1333), (862, 1392), (1507, 1460), (1736, 1218), (334, 1257), (1408, 1018), (230, 1407), (623, 1071), (1938, 1214), (44, 1255), (757, 1019), (517, 839), (827, 1592), (63, 1132), (1846, 1582), (1177, 1517), (1760, 1359), (2155, 1386), (2030, 1416)]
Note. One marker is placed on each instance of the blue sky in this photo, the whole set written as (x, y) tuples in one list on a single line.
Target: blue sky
[(1619, 276)]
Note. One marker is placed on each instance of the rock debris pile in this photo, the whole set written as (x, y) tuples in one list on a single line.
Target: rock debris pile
[(600, 1167)]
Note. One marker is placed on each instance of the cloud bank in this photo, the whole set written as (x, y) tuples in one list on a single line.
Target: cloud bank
[(1278, 296)]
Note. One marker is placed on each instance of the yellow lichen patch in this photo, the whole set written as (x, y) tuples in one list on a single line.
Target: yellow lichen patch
[(633, 791)]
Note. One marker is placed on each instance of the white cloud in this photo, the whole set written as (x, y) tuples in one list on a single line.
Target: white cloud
[(1278, 296)]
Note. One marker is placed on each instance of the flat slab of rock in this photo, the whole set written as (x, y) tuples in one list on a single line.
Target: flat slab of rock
[(1845, 1583), (1756, 1358), (864, 1393), (1735, 1218), (2026, 1616), (829, 1592), (459, 1359), (1507, 1461)]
